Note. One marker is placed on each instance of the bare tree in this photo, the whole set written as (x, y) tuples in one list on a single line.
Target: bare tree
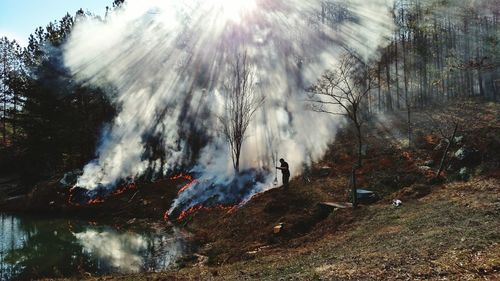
[(240, 103), (342, 91)]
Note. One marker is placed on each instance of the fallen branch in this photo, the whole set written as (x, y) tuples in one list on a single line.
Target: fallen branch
[(133, 196)]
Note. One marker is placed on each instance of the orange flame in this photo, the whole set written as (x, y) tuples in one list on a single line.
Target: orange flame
[(227, 209), (99, 200), (95, 201), (124, 188), (182, 176), (186, 177), (186, 186), (189, 211)]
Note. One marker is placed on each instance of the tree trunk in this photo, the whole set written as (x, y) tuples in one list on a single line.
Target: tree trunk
[(443, 158), (425, 78), (408, 113), (494, 86), (398, 103), (360, 145), (379, 88), (480, 81), (237, 160), (14, 116), (407, 98), (4, 95), (479, 73), (354, 189), (4, 118), (389, 94)]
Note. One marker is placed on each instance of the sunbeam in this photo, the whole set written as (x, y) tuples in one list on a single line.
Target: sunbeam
[(167, 62)]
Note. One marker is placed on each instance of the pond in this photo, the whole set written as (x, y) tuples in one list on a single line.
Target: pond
[(37, 247)]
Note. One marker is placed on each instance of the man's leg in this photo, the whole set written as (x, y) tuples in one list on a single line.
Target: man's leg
[(285, 181)]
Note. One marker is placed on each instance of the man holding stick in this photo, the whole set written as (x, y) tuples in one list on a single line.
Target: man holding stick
[(285, 171)]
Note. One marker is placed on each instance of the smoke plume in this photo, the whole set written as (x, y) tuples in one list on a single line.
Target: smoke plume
[(164, 63)]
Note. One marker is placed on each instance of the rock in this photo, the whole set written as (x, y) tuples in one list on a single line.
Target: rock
[(460, 154), (324, 171), (429, 163), (424, 168), (277, 229), (466, 157), (366, 196), (201, 260), (464, 174), (397, 202), (207, 247), (458, 140)]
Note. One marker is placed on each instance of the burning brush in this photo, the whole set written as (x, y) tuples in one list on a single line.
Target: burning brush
[(216, 193), (80, 196)]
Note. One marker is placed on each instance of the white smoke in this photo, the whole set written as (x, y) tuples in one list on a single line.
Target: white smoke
[(166, 62)]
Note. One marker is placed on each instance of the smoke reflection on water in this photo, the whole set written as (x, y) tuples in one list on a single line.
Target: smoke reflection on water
[(130, 252), (32, 248)]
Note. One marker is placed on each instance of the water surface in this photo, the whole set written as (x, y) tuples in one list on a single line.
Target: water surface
[(34, 247)]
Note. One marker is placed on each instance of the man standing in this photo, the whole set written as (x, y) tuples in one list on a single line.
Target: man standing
[(285, 171)]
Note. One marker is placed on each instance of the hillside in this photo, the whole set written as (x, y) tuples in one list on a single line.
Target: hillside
[(445, 228)]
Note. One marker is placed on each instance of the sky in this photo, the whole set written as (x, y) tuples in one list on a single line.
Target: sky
[(20, 18)]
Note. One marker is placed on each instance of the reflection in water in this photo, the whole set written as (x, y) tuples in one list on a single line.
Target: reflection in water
[(119, 250), (11, 238), (36, 248), (128, 252)]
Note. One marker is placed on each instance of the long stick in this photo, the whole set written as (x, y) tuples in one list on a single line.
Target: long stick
[(275, 156)]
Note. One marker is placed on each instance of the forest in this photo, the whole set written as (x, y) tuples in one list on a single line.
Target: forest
[(440, 52), (414, 118)]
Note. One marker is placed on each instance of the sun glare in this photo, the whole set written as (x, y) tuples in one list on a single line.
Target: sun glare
[(235, 10)]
